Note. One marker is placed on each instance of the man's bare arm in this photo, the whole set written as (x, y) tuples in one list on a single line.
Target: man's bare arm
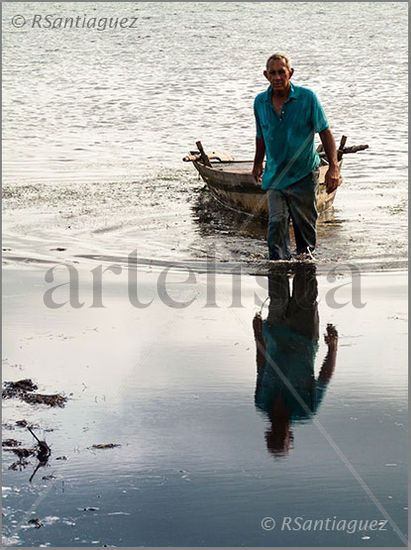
[(332, 177), (328, 366), (258, 159)]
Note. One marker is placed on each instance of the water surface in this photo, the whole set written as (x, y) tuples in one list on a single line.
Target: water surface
[(96, 124), (95, 127), (176, 389)]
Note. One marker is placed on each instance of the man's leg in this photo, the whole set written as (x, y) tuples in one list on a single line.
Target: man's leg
[(303, 209), (278, 235), (279, 293), (303, 310)]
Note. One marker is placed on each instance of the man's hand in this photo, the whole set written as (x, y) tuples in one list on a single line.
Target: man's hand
[(258, 327), (327, 369), (332, 178), (331, 337), (258, 159), (257, 172)]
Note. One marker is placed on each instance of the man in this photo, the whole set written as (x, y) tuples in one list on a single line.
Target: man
[(287, 118)]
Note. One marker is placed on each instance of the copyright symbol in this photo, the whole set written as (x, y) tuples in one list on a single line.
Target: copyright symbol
[(18, 21), (268, 524)]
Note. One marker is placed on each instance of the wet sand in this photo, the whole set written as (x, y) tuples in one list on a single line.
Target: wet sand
[(174, 387)]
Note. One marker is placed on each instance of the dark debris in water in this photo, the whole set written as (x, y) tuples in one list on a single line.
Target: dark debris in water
[(35, 522), (14, 389), (24, 390), (10, 443), (105, 446), (41, 451), (19, 465), (54, 400), (21, 452), (22, 423)]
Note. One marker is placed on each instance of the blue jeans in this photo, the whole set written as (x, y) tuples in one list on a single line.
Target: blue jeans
[(298, 203)]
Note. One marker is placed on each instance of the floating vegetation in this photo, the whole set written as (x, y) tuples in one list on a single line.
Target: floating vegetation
[(105, 446), (24, 390), (35, 522), (10, 443)]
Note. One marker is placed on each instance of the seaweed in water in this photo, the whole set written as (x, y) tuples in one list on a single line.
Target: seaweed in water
[(23, 424), (105, 445), (19, 465), (35, 522), (24, 390), (14, 389), (22, 454), (10, 443), (54, 400), (43, 452)]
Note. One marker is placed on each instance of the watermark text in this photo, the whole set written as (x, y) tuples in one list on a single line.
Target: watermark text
[(59, 22)]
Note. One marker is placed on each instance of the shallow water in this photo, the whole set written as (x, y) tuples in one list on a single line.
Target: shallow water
[(176, 389), (97, 122), (95, 127)]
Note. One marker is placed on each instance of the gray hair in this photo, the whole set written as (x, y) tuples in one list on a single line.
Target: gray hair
[(281, 56)]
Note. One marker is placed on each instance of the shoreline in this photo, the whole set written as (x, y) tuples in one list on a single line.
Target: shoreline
[(206, 265)]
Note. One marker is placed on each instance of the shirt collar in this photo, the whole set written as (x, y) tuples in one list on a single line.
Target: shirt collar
[(292, 94)]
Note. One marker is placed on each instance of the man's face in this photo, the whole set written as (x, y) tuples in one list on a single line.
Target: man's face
[(278, 75)]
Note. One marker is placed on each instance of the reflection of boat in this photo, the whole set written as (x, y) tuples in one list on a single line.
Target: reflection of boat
[(232, 183)]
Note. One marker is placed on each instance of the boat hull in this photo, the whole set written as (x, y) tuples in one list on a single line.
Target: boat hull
[(234, 185)]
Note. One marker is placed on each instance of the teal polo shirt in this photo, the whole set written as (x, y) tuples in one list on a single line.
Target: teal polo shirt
[(289, 137), (289, 353)]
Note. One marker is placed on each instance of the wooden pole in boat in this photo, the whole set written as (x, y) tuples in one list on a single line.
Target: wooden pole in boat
[(340, 151), (354, 149), (204, 157)]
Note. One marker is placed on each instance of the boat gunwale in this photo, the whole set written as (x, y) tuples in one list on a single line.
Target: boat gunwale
[(231, 191)]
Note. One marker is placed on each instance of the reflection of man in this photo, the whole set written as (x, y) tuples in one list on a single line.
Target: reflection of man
[(287, 343)]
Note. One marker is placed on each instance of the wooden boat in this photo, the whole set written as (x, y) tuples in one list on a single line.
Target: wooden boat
[(231, 182)]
